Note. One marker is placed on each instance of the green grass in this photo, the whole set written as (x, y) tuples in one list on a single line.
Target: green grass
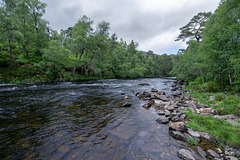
[(222, 131), (192, 141)]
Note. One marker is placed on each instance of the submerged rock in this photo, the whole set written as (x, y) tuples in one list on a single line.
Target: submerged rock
[(163, 120), (144, 84), (126, 105), (185, 154), (154, 90)]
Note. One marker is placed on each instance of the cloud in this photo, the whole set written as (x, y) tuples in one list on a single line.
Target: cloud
[(154, 24)]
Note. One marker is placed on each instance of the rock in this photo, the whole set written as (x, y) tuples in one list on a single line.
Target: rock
[(178, 126), (126, 97), (178, 135), (230, 116), (176, 93), (154, 90), (206, 111), (230, 158), (211, 98), (232, 122), (167, 113), (192, 106), (148, 105), (212, 154), (170, 108), (201, 152), (126, 105), (182, 116), (193, 133), (162, 97), (161, 93), (185, 154), (205, 136), (160, 112), (163, 120), (219, 151), (175, 119), (144, 84)]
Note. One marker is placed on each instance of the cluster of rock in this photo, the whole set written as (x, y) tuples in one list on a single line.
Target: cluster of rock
[(170, 109)]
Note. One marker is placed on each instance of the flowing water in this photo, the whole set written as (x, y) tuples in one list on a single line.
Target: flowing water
[(83, 121)]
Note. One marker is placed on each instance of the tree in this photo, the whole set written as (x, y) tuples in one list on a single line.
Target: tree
[(194, 29)]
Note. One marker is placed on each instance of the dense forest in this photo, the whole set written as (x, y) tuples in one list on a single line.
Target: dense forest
[(31, 51), (213, 53)]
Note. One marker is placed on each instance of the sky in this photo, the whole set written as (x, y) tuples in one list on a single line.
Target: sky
[(153, 24)]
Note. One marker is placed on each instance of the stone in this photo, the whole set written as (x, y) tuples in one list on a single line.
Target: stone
[(154, 90), (230, 158), (167, 113), (178, 126), (160, 112), (185, 154), (201, 152), (193, 133), (206, 111), (183, 116), (126, 97), (219, 151), (211, 98), (170, 108), (212, 154), (178, 135), (148, 105), (163, 120), (126, 105), (175, 119), (205, 136), (232, 122), (162, 97), (176, 93)]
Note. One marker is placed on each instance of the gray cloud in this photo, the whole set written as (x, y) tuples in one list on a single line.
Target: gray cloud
[(154, 24)]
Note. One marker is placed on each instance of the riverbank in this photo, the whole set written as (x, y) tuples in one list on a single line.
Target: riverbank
[(201, 124)]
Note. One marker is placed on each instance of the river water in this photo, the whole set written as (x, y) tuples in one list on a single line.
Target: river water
[(83, 120)]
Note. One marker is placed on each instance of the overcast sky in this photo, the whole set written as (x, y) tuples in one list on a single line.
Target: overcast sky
[(154, 24)]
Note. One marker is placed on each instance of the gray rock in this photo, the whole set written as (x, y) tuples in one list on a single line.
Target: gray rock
[(176, 93), (144, 84), (167, 113), (160, 112), (170, 108), (201, 152), (126, 105), (206, 111), (163, 120), (205, 136), (193, 133), (230, 158), (183, 116), (148, 105), (211, 98), (212, 154), (232, 122), (175, 119), (185, 154), (154, 90)]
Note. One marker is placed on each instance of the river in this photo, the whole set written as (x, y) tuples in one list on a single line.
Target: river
[(83, 120)]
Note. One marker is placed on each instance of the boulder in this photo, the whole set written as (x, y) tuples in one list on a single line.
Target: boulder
[(167, 113), (182, 116), (163, 120), (175, 119), (162, 97), (185, 154), (201, 152), (178, 126), (212, 154)]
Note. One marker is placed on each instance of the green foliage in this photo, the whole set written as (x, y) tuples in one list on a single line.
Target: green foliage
[(220, 129), (192, 141)]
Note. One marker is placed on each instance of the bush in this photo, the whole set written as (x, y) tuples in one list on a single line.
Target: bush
[(211, 86)]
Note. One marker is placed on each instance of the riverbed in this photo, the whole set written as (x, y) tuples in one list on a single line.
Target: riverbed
[(83, 120)]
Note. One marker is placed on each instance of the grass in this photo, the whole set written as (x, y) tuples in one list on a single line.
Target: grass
[(192, 141), (222, 131)]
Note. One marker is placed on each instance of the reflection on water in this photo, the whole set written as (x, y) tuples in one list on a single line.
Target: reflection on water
[(82, 121)]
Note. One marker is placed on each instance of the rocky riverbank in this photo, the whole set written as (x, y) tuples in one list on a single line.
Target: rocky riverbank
[(171, 111)]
